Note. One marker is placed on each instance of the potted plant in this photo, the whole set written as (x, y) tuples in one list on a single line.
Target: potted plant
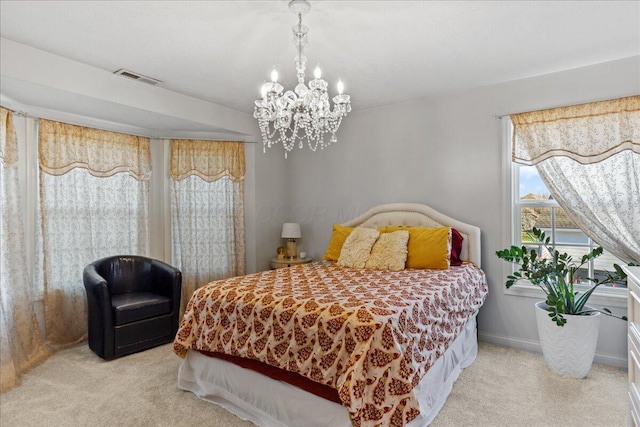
[(567, 326)]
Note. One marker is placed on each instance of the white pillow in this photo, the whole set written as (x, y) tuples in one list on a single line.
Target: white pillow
[(357, 247), (389, 252)]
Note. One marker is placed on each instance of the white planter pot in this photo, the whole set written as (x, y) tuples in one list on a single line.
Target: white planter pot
[(568, 349)]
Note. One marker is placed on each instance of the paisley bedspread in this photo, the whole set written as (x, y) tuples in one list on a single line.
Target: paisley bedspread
[(369, 334)]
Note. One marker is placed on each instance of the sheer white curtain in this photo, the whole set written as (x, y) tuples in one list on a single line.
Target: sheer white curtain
[(207, 211), (589, 157), (21, 343), (94, 202)]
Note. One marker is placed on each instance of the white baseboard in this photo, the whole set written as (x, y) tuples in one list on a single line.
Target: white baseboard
[(534, 347)]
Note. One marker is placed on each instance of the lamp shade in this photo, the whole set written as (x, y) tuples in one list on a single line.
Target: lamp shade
[(291, 230)]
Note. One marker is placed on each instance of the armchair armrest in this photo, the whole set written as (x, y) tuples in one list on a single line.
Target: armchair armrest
[(100, 319), (165, 278), (168, 281)]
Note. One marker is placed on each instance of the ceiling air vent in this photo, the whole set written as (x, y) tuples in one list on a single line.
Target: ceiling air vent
[(136, 76)]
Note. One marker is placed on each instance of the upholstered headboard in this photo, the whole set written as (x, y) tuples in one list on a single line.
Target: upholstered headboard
[(418, 215)]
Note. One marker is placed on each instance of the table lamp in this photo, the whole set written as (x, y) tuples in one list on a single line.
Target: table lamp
[(291, 232)]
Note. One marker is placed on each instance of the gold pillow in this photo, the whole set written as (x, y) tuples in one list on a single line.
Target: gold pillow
[(427, 247), (339, 235), (389, 252), (357, 247)]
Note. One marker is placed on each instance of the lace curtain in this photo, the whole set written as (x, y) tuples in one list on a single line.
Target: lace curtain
[(21, 343), (94, 202), (589, 158), (210, 160), (63, 147), (207, 211)]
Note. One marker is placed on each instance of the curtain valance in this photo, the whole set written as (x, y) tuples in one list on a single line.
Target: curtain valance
[(586, 133), (8, 140), (210, 160), (63, 147)]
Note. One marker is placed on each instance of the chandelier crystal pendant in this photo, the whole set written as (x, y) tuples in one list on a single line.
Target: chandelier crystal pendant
[(304, 113)]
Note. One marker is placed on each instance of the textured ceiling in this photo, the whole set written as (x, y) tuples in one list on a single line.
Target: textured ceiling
[(385, 51)]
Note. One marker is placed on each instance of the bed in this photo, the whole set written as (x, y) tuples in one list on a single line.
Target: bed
[(326, 345)]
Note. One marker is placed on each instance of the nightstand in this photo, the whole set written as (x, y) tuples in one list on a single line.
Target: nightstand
[(288, 262)]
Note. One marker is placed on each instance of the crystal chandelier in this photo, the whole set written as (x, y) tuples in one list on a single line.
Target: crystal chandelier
[(304, 113)]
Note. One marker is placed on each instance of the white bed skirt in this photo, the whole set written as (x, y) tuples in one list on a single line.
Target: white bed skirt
[(271, 403)]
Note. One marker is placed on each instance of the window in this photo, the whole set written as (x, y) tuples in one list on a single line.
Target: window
[(531, 205), (94, 202), (207, 211), (535, 207)]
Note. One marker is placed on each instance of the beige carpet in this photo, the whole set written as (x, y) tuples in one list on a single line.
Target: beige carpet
[(504, 387)]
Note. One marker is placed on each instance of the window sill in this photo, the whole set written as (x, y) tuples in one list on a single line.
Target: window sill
[(601, 297)]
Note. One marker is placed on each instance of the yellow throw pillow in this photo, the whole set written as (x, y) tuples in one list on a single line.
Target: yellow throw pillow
[(389, 252), (339, 235), (357, 247), (427, 247)]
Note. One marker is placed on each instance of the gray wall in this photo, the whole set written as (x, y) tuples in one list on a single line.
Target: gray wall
[(270, 203), (447, 152)]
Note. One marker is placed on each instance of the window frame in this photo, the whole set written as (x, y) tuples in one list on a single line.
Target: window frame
[(606, 296)]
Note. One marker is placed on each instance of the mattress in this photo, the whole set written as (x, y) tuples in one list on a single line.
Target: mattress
[(270, 403)]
